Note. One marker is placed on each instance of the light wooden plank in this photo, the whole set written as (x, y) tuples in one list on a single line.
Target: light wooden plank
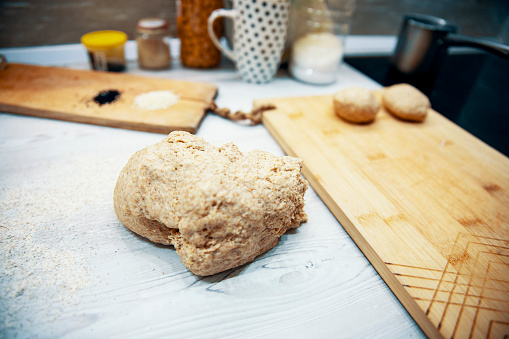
[(65, 94), (425, 202)]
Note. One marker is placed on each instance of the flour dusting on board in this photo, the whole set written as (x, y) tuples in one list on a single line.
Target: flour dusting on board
[(156, 100)]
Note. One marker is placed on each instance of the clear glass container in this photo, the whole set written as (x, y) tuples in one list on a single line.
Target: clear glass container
[(106, 50), (317, 32), (196, 47), (153, 44)]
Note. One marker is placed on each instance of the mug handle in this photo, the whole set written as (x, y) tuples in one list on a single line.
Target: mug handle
[(213, 16)]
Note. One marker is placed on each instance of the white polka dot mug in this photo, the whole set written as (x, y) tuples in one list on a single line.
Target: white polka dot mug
[(259, 34)]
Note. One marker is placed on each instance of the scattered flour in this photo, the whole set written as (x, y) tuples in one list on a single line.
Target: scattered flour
[(47, 234), (156, 100)]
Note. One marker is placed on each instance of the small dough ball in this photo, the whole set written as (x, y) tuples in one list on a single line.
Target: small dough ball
[(406, 102), (356, 104)]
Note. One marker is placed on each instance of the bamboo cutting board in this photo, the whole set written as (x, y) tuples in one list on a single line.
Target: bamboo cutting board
[(427, 203), (65, 94)]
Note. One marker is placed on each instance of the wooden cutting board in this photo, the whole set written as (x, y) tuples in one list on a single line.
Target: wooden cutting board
[(427, 203), (65, 94)]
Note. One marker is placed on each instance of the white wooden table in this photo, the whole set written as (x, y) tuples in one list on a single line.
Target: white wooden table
[(68, 268)]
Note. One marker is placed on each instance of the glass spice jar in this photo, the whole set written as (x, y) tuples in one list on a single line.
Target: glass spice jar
[(196, 48), (152, 42), (106, 50)]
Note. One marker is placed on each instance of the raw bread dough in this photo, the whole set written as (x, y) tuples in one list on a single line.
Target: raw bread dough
[(406, 102), (219, 207), (356, 104)]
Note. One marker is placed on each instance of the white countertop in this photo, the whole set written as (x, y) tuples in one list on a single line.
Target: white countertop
[(69, 268)]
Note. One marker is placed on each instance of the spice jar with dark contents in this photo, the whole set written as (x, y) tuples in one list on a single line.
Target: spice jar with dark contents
[(196, 48), (106, 50), (152, 42)]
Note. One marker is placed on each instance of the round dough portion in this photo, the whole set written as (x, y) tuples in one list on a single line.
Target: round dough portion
[(219, 207), (406, 102), (356, 104)]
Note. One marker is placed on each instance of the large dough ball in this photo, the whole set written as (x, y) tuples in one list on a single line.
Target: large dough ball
[(219, 207)]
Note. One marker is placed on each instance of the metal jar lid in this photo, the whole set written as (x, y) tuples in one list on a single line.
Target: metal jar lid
[(151, 26)]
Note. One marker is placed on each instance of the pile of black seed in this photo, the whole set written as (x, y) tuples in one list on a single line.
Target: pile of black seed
[(106, 97)]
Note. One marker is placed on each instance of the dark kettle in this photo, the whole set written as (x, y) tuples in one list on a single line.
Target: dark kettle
[(423, 43)]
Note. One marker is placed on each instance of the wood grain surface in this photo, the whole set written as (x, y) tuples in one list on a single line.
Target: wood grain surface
[(65, 94), (427, 203)]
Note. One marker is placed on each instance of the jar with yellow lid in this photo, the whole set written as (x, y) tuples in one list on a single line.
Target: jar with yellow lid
[(106, 50), (152, 41)]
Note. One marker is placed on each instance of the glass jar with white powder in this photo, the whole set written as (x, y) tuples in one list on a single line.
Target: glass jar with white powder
[(318, 29)]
